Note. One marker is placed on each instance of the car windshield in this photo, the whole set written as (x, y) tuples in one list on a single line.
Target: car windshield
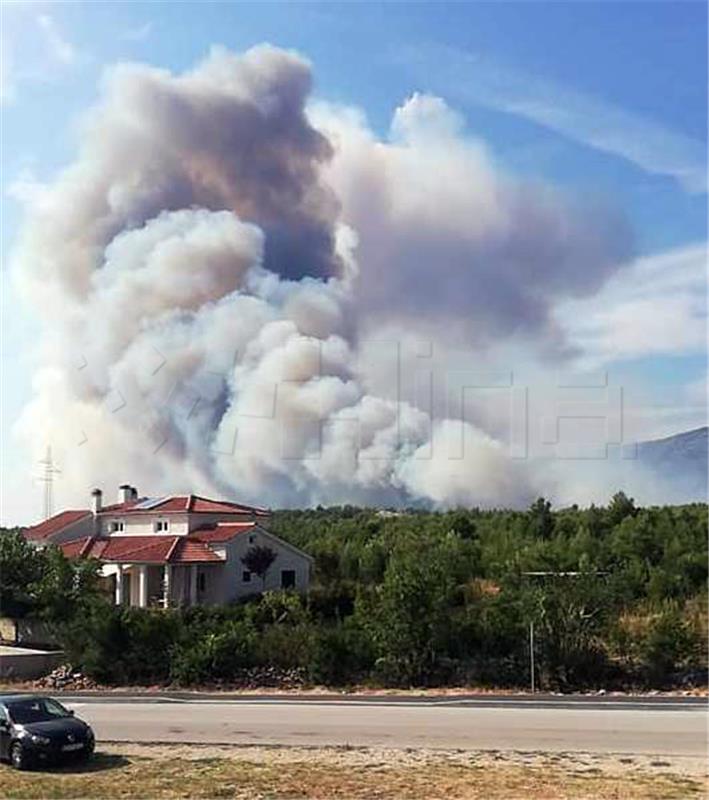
[(35, 709)]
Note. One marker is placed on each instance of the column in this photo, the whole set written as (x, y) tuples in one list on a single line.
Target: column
[(119, 585), (166, 585), (143, 586), (193, 584)]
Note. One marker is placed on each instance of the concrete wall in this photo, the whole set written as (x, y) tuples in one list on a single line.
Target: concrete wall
[(8, 630), (16, 662), (27, 631)]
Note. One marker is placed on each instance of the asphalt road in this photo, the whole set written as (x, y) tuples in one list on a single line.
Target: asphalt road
[(663, 727)]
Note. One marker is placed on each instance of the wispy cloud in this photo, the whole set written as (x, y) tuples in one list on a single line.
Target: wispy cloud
[(60, 47), (34, 49), (583, 118), (656, 306)]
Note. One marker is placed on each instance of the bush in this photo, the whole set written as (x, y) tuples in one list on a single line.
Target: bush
[(116, 645), (285, 646), (215, 656), (670, 644), (341, 654)]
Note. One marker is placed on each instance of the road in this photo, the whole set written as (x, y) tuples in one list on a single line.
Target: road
[(663, 727)]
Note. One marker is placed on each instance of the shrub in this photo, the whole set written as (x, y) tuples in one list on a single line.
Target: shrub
[(216, 655), (341, 654), (670, 643)]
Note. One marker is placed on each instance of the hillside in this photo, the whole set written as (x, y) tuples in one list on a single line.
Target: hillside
[(680, 460)]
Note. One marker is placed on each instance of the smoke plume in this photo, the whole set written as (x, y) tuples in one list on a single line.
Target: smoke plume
[(207, 267)]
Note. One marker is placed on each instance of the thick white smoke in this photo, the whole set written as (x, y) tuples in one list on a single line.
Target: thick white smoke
[(206, 267)]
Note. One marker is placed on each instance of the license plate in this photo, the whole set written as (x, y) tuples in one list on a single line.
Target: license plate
[(69, 747)]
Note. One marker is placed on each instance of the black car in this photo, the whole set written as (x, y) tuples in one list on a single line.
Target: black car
[(38, 730)]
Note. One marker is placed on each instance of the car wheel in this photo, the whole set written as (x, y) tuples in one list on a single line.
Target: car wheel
[(18, 758), (86, 754)]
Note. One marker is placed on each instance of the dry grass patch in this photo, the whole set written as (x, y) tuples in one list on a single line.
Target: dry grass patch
[(146, 771)]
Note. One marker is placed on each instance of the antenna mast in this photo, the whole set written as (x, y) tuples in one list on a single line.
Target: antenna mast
[(49, 470)]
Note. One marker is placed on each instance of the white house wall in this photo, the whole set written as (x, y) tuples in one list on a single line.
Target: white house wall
[(144, 525), (286, 558), (217, 580)]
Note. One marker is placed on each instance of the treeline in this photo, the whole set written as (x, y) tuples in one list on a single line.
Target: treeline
[(616, 596)]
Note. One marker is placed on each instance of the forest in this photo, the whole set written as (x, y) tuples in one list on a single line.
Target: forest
[(614, 597)]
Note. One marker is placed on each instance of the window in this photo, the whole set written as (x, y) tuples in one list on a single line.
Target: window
[(287, 578), (246, 576), (201, 582), (39, 709), (117, 526), (162, 526)]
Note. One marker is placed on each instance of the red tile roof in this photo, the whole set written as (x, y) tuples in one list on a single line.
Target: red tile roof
[(222, 531), (77, 548), (190, 550), (180, 504), (122, 506), (201, 505), (141, 549), (55, 524)]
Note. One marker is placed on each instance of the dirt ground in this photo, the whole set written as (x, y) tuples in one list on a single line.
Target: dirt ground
[(257, 773)]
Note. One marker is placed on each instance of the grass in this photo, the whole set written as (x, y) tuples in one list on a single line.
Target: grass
[(183, 772)]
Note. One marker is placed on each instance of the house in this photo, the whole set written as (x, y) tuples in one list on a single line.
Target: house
[(176, 550)]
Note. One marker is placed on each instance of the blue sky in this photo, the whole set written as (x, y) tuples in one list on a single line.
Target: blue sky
[(605, 99), (646, 59)]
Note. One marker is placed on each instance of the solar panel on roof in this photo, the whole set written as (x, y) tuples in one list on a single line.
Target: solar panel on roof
[(150, 502)]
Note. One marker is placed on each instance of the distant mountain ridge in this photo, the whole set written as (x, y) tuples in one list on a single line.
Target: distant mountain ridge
[(680, 460)]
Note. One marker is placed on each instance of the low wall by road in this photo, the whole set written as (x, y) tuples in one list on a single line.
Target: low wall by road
[(28, 632), (22, 663), (8, 630)]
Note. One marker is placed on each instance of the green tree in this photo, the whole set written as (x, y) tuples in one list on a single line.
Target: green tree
[(43, 582), (670, 643), (541, 520), (463, 526), (64, 585), (21, 566), (258, 559), (407, 616), (620, 507)]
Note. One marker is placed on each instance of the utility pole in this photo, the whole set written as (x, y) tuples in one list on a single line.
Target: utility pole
[(47, 478)]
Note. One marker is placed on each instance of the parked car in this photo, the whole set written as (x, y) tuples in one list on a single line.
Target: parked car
[(35, 731)]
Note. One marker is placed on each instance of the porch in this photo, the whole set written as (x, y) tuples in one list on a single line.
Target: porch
[(156, 585)]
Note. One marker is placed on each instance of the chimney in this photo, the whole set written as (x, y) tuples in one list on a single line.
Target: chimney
[(96, 501), (125, 493), (134, 492)]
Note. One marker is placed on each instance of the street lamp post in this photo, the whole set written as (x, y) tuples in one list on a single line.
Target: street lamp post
[(531, 655)]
